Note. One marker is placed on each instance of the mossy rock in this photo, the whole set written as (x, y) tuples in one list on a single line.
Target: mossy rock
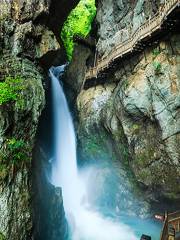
[(2, 237), (14, 155), (10, 89), (94, 146)]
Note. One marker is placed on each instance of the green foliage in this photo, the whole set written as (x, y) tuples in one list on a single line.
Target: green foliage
[(10, 89), (155, 52), (2, 237), (3, 173), (14, 155), (78, 23), (18, 150), (157, 67), (135, 128), (125, 84)]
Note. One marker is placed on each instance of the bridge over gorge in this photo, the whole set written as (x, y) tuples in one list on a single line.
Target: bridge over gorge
[(171, 227), (134, 42)]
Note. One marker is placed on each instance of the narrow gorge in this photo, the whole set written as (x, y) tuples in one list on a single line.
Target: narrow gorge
[(89, 119)]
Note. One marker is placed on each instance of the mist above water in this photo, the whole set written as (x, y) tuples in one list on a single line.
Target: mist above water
[(84, 223)]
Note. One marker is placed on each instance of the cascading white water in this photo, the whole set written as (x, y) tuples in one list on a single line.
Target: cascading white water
[(85, 223), (64, 171)]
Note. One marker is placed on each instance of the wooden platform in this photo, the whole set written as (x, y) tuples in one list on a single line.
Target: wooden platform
[(172, 221), (135, 43)]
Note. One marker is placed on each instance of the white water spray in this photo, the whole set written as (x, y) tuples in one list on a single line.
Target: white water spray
[(85, 224)]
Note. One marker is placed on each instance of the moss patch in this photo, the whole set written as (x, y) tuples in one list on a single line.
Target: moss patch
[(157, 67), (10, 89), (2, 237), (78, 23), (94, 146), (13, 156), (155, 52)]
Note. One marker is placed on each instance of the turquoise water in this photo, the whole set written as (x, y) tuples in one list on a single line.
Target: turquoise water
[(150, 227), (140, 226)]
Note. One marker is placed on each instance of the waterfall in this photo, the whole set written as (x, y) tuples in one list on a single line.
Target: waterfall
[(64, 173), (85, 224)]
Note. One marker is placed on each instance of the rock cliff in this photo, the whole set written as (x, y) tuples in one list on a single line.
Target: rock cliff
[(29, 39), (125, 16), (128, 125), (130, 120)]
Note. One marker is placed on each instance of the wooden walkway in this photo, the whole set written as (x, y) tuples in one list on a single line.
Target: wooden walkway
[(171, 225), (129, 45)]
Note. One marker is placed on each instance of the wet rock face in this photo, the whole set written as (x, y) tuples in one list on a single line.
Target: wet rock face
[(150, 116), (123, 15), (32, 29), (21, 35), (75, 73), (137, 116), (48, 210), (19, 121), (104, 146), (28, 39)]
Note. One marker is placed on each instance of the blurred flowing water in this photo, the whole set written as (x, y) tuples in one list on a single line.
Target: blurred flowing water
[(84, 223)]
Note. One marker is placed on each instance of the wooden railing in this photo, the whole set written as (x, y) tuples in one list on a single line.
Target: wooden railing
[(171, 220), (128, 45)]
